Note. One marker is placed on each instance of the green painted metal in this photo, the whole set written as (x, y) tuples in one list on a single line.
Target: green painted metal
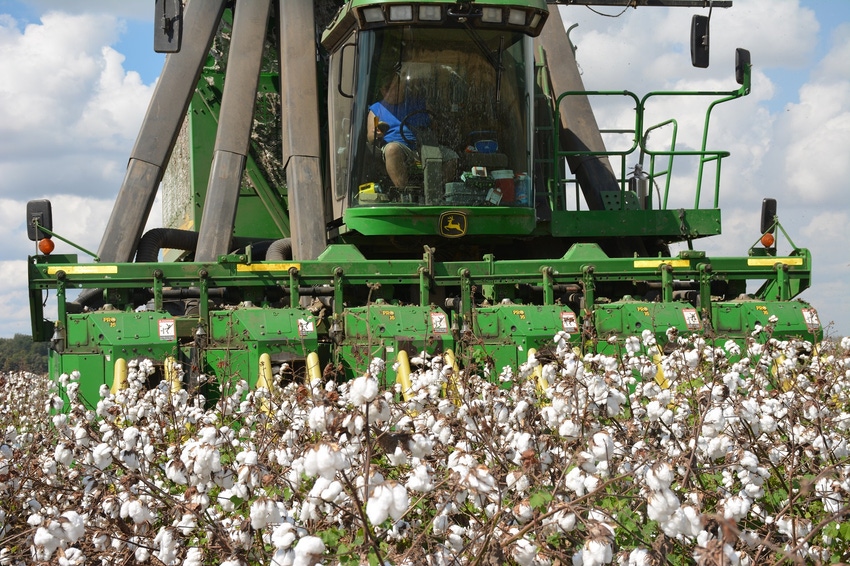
[(95, 341), (408, 221), (499, 334), (674, 225), (383, 330), (504, 334)]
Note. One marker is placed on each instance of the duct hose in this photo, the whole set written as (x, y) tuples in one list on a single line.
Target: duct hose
[(280, 250), (154, 240)]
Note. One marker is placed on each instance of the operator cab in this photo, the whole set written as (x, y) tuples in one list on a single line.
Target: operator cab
[(432, 117)]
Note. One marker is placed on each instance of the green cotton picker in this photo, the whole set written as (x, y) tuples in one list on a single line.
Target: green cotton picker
[(350, 180)]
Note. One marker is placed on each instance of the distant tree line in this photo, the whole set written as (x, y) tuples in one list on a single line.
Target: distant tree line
[(22, 354)]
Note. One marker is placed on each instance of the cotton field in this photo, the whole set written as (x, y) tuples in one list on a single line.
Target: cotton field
[(714, 455)]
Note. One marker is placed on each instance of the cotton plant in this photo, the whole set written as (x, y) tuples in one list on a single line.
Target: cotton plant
[(591, 464)]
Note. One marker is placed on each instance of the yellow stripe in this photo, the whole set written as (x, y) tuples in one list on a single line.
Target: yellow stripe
[(769, 261), (268, 267), (653, 263), (83, 269)]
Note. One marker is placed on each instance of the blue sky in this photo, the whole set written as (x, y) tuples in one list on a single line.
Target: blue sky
[(77, 76)]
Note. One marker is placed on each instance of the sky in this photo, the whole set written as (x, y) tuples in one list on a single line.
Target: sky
[(77, 76)]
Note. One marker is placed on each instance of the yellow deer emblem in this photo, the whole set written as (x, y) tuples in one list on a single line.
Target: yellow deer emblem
[(453, 224)]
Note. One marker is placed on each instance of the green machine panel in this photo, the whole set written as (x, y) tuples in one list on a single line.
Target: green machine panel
[(508, 331), (792, 319), (239, 337), (631, 318), (95, 341), (382, 330)]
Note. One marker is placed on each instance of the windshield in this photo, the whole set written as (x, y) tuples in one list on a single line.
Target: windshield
[(441, 117)]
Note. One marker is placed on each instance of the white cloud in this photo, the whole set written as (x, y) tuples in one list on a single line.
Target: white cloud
[(69, 114), (134, 9), (835, 63)]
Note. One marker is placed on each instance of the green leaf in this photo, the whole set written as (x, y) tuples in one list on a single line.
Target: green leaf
[(540, 499), (331, 537), (831, 530)]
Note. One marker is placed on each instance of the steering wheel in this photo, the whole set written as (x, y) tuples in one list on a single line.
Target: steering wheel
[(404, 129)]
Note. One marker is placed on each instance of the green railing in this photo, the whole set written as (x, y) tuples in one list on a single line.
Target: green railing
[(658, 172)]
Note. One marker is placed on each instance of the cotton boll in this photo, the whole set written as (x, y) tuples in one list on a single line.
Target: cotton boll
[(378, 505), (602, 446), (363, 390), (142, 554), (736, 507), (263, 512), (102, 455), (713, 422), (570, 430), (400, 502), (63, 454), (718, 447), (73, 526), (168, 546), (136, 510), (574, 481), (72, 557), (379, 411), (659, 476), (566, 521), (319, 418), (524, 552), (640, 557), (420, 480), (420, 446), (46, 542), (324, 460), (283, 536), (661, 504), (517, 481), (187, 524)]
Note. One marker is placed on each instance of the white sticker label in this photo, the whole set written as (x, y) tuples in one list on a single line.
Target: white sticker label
[(812, 320), (691, 319), (439, 323), (568, 321), (305, 327), (166, 329)]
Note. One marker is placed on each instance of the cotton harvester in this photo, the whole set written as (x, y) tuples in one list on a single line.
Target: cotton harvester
[(452, 195)]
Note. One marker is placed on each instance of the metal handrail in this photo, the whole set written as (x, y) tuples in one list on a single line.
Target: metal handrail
[(640, 139)]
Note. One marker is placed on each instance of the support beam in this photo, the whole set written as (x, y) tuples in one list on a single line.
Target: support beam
[(233, 137), (301, 138), (159, 132), (578, 128)]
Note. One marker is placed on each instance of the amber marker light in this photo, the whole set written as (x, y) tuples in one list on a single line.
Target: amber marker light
[(46, 246), (767, 240)]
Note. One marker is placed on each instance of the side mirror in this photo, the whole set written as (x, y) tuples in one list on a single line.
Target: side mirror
[(39, 211), (742, 62), (768, 215), (699, 41), (167, 26)]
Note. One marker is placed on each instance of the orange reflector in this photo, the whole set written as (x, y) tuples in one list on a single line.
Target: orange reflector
[(767, 240), (46, 246)]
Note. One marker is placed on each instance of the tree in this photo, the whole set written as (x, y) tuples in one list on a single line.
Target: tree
[(22, 354)]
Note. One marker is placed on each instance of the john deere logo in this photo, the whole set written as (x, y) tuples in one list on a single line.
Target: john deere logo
[(452, 224)]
